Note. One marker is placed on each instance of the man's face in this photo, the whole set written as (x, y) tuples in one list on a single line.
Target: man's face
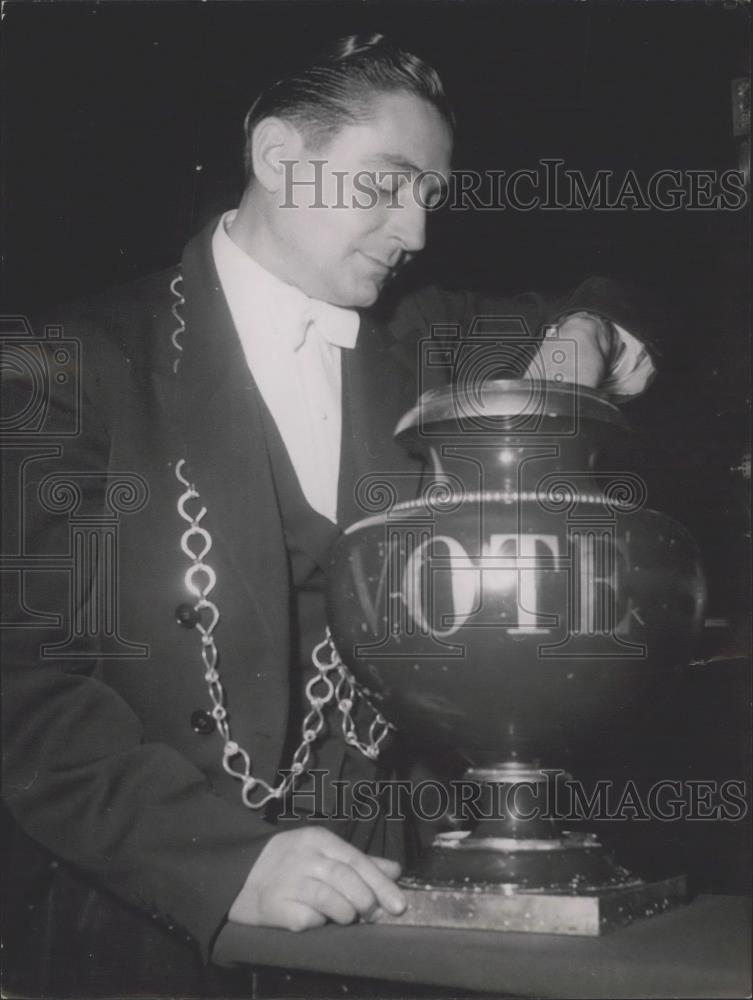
[(344, 237)]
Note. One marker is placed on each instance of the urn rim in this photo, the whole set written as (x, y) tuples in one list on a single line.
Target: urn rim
[(499, 399)]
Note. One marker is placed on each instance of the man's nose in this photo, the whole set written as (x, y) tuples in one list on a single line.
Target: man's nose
[(408, 224)]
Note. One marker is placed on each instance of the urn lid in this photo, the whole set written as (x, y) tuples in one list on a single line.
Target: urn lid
[(509, 407)]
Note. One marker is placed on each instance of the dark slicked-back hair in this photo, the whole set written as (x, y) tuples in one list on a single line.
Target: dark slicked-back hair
[(337, 88)]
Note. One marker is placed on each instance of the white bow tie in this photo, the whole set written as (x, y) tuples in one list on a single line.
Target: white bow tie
[(334, 324)]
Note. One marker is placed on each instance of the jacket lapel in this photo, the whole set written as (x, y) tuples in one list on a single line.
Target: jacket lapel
[(224, 436)]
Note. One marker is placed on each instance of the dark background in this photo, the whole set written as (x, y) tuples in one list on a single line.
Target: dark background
[(122, 136), (110, 109)]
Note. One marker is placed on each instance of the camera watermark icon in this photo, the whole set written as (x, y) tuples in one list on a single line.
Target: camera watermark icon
[(39, 369), (496, 349)]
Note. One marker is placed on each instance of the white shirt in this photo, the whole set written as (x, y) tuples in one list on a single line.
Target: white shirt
[(292, 344)]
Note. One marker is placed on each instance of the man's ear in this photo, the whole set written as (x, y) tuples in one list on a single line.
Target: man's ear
[(273, 142)]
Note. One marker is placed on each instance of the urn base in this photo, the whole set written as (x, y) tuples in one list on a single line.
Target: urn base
[(569, 863), (517, 871)]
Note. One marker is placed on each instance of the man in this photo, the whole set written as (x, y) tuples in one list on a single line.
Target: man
[(239, 399)]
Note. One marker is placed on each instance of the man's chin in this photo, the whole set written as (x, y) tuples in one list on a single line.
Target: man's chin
[(369, 300), (360, 296)]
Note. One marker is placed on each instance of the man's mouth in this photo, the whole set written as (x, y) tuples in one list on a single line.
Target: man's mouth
[(384, 265)]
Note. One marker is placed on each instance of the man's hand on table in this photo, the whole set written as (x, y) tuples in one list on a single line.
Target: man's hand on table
[(593, 337), (304, 878)]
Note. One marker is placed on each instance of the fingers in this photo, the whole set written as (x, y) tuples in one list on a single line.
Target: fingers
[(327, 901), (390, 868), (587, 366), (293, 915), (374, 876), (349, 884)]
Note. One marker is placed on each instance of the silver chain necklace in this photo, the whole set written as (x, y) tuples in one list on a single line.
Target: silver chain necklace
[(331, 681)]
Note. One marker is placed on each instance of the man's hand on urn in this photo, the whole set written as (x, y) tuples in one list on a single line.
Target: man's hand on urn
[(305, 878), (593, 338)]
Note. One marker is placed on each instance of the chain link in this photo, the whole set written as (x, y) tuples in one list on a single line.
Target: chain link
[(321, 690), (346, 694), (177, 335)]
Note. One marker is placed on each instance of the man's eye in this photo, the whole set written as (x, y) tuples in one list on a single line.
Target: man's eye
[(391, 185), (433, 196)]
